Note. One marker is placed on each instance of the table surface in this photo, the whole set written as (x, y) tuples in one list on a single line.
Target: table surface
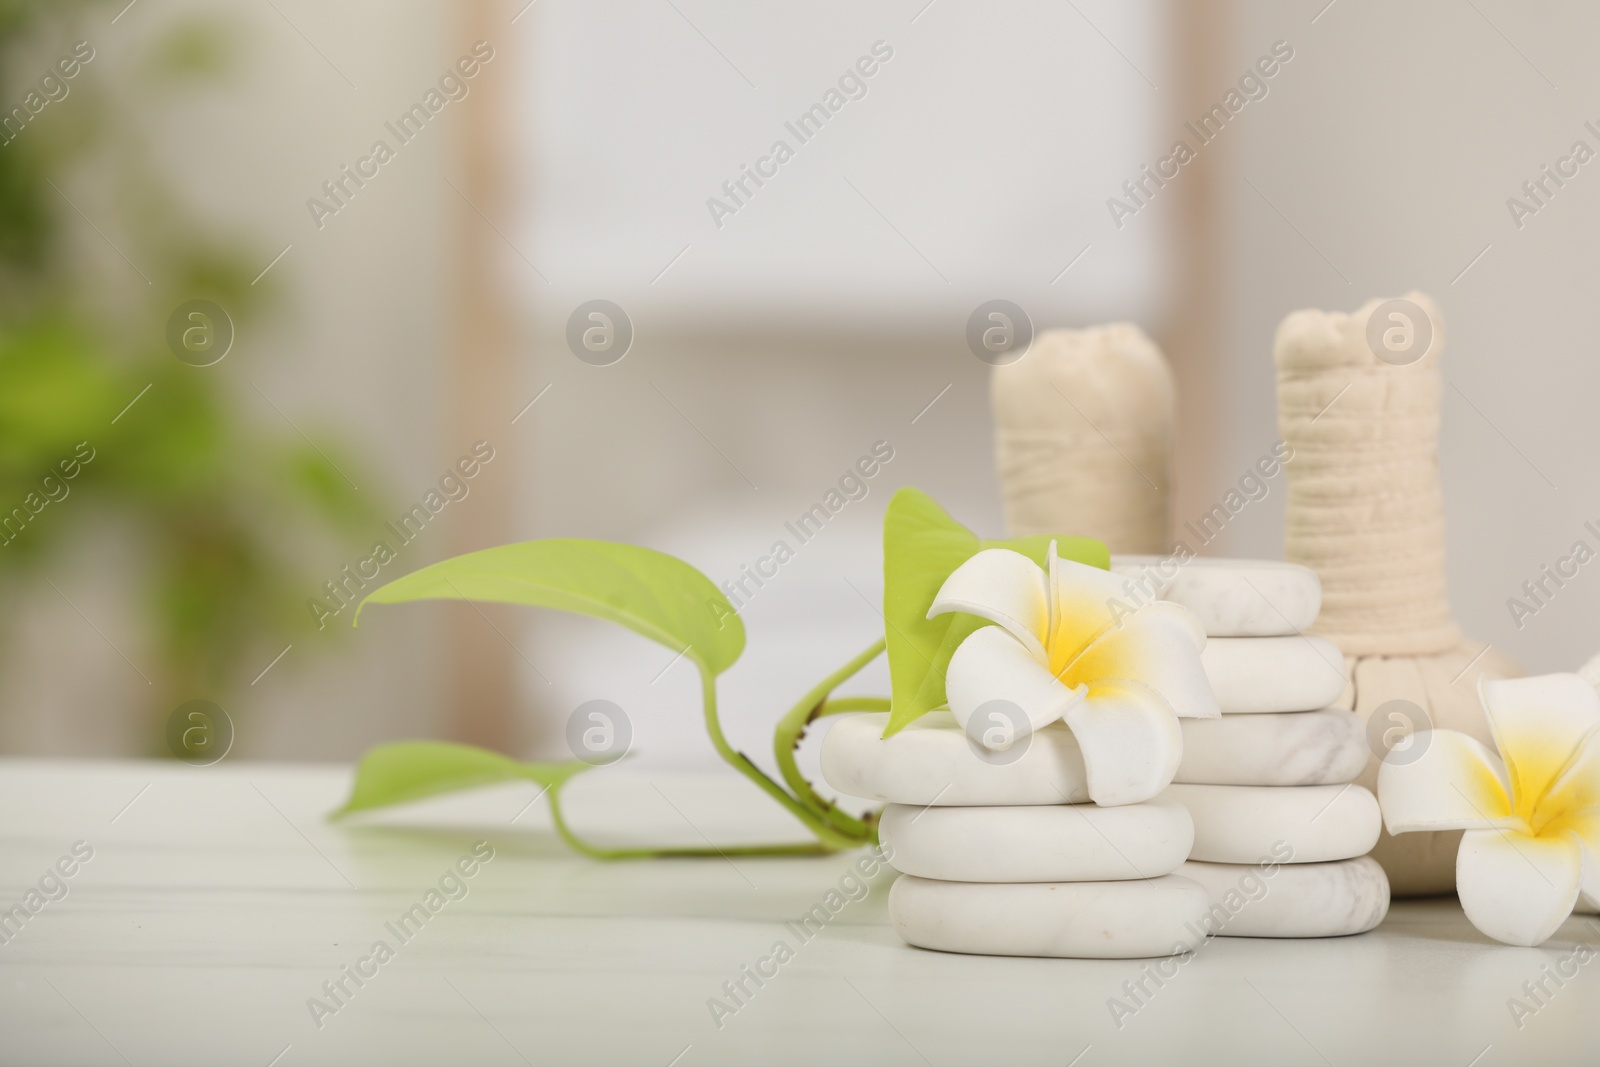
[(218, 901)]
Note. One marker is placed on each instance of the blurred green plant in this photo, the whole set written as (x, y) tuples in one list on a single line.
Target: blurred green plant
[(216, 505)]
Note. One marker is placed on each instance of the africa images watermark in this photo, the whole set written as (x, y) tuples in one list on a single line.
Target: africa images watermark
[(1542, 188), (1251, 887), (852, 85), (1538, 591), (53, 488), (345, 589), (453, 85), (451, 886), (1142, 189), (1253, 486), (852, 886), (52, 887), (852, 486), (52, 89), (1537, 991)]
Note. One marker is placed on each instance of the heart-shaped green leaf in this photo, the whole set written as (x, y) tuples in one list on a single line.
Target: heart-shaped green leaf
[(411, 770), (922, 545), (649, 592)]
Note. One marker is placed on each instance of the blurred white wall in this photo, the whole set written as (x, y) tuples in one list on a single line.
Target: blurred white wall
[(826, 314), (972, 163)]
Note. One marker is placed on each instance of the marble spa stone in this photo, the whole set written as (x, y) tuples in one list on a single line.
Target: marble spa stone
[(1231, 597), (932, 761), (1265, 674), (1287, 748), (1046, 843), (1293, 899), (1288, 824), (1088, 920)]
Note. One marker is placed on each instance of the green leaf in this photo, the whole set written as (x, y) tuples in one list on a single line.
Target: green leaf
[(649, 592), (410, 770), (922, 544)]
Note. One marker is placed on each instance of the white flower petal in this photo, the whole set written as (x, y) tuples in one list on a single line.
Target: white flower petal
[(1158, 645), (1539, 725), (1004, 587), (1455, 784), (1573, 799), (1517, 888), (992, 665), (1130, 739), (1573, 806), (1085, 600)]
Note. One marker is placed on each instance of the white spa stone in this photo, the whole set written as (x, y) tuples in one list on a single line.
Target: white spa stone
[(1263, 674), (931, 762), (1293, 899), (1289, 748), (1231, 597), (1290, 824), (1046, 843), (1088, 920)]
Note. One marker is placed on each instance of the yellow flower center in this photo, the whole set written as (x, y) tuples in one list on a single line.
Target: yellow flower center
[(1548, 799)]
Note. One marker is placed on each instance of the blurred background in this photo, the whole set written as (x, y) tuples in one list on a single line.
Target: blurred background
[(388, 313)]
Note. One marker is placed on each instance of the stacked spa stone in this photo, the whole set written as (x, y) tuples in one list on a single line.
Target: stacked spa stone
[(1005, 855), (1281, 832)]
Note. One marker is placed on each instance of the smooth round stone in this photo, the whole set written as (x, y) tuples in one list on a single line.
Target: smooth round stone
[(1289, 824), (1287, 748), (1265, 674), (931, 761), (1082, 920), (1293, 899), (1231, 597), (1052, 843)]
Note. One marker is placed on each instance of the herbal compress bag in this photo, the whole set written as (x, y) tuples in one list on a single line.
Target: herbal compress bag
[(1083, 438), (1366, 512)]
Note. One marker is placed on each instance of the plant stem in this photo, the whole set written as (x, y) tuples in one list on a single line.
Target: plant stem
[(804, 848), (792, 727), (829, 834)]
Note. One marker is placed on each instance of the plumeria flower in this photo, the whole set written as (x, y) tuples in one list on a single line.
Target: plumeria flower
[(1531, 814), (1065, 646)]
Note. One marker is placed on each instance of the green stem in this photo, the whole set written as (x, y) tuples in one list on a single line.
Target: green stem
[(792, 727), (827, 832), (805, 848)]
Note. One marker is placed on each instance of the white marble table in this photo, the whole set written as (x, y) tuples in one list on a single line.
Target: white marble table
[(218, 901)]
